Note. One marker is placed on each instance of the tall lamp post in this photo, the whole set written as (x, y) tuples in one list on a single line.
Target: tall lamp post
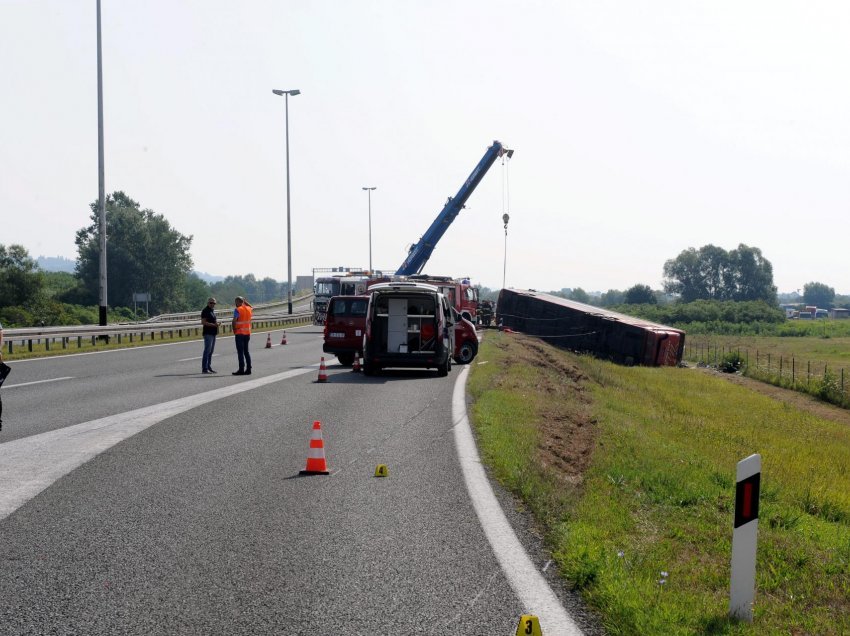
[(505, 218), (369, 191), (101, 187), (286, 95)]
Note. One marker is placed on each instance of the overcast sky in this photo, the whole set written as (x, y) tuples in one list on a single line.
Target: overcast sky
[(640, 129)]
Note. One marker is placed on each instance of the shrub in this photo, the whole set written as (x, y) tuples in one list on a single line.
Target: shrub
[(732, 362)]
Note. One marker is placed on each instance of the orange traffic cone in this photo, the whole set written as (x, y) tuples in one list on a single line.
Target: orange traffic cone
[(316, 464), (269, 342), (323, 374), (283, 339), (356, 366)]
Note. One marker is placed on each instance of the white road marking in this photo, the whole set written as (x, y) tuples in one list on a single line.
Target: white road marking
[(529, 585), (215, 355), (31, 464), (12, 386)]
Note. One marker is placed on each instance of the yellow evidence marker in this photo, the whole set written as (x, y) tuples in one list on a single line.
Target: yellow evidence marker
[(381, 470), (528, 624)]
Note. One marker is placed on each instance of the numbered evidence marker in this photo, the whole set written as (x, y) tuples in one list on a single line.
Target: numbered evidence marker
[(742, 589), (528, 624), (381, 470)]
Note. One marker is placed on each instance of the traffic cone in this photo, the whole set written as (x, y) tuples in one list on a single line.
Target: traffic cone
[(323, 374), (269, 342), (356, 366), (283, 339), (316, 464)]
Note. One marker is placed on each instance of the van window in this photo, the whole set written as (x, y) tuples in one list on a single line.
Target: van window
[(348, 307)]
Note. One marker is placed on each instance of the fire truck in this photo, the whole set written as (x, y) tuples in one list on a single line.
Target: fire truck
[(344, 283)]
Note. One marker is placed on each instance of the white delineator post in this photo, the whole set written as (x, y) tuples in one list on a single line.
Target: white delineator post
[(742, 589)]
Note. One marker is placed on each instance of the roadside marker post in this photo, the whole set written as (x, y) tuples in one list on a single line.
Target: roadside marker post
[(744, 535)]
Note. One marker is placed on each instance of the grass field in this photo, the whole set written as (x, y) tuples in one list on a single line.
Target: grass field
[(631, 473)]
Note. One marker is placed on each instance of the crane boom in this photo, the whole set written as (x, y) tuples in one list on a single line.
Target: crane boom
[(421, 251)]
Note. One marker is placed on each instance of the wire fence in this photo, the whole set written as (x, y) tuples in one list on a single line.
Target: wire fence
[(817, 378)]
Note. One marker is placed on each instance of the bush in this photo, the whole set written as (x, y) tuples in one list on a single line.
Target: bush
[(732, 362)]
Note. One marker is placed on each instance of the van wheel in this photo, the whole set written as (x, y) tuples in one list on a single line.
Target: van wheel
[(345, 359), (443, 369), (466, 353)]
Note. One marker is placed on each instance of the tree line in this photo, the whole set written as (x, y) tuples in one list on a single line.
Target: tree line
[(145, 254)]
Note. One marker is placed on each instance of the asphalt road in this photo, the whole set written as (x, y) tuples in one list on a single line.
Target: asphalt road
[(198, 522)]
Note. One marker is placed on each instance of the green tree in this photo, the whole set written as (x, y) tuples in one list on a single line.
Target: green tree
[(711, 273), (21, 281), (752, 275), (579, 295), (195, 292), (144, 254), (819, 295), (611, 298), (640, 295)]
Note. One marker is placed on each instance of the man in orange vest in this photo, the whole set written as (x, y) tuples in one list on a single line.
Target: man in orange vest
[(242, 330)]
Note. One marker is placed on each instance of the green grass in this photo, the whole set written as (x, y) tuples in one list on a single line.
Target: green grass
[(658, 496)]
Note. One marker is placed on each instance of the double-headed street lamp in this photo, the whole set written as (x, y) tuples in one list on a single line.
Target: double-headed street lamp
[(369, 190), (286, 95)]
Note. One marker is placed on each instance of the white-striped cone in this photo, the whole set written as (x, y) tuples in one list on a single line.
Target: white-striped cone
[(316, 464)]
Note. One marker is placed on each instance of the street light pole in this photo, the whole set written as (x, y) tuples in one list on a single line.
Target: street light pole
[(286, 95), (101, 186), (369, 191)]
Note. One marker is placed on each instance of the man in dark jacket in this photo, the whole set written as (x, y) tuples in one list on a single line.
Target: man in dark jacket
[(210, 323)]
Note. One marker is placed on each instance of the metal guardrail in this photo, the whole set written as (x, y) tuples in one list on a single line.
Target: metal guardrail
[(25, 337)]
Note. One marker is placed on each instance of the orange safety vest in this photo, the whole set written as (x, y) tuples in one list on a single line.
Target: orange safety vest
[(243, 323)]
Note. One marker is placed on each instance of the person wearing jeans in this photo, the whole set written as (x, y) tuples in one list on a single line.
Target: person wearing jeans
[(210, 323), (242, 317)]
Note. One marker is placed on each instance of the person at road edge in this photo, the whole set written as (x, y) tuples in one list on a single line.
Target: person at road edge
[(4, 371), (242, 315), (210, 323)]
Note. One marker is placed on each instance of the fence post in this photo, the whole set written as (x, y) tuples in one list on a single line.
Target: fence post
[(10, 347), (47, 344), (793, 372), (808, 371), (780, 370), (79, 342), (93, 341), (768, 364), (29, 345)]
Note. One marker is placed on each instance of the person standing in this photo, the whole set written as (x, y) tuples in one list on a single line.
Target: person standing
[(210, 323), (4, 371), (242, 316)]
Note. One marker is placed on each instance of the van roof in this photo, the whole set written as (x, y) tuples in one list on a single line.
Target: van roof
[(404, 286)]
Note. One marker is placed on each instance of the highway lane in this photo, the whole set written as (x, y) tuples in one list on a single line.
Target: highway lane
[(200, 524), (46, 394)]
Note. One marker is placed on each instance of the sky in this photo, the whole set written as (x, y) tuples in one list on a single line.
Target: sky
[(640, 129)]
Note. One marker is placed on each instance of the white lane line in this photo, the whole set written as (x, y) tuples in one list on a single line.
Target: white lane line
[(31, 464), (215, 355), (529, 585), (12, 386)]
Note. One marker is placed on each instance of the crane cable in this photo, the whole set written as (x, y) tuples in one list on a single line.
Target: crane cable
[(506, 195)]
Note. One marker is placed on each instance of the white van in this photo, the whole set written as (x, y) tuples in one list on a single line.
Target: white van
[(408, 324)]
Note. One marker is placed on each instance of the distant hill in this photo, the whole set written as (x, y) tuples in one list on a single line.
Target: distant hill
[(208, 277), (56, 264)]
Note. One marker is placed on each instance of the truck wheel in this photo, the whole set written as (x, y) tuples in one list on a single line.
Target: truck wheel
[(345, 359), (467, 352)]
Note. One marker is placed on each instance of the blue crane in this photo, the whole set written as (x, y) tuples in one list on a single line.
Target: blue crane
[(421, 251)]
